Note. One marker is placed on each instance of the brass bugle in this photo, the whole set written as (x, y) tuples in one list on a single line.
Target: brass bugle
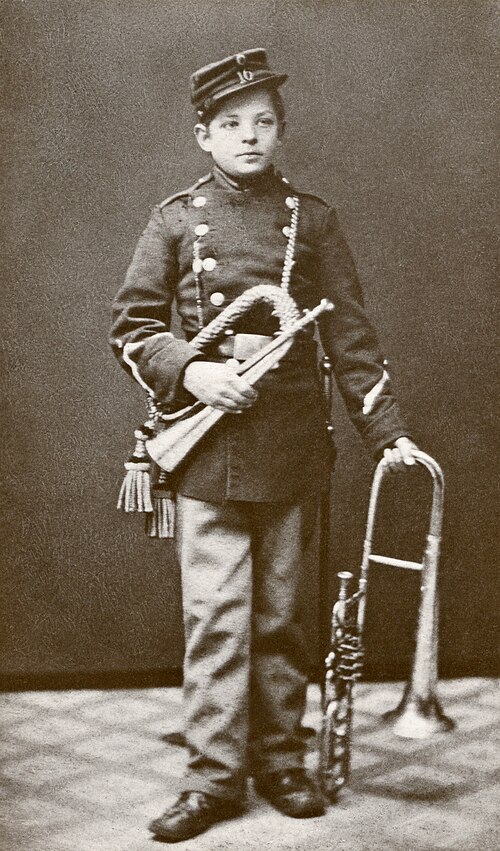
[(183, 430)]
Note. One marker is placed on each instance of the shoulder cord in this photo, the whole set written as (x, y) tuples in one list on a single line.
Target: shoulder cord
[(288, 262), (197, 270)]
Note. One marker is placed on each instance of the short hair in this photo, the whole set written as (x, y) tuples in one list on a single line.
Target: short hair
[(278, 104)]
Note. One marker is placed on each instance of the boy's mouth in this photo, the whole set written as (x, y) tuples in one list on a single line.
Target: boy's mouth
[(249, 154)]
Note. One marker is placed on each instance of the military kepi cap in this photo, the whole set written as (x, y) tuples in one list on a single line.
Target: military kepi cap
[(214, 82)]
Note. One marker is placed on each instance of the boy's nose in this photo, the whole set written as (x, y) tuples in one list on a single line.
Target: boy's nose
[(249, 136)]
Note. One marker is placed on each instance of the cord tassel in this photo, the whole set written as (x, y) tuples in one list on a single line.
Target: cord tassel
[(160, 522), (135, 492)]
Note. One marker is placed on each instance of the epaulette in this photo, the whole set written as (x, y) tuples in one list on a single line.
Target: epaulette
[(315, 197), (301, 192), (185, 192)]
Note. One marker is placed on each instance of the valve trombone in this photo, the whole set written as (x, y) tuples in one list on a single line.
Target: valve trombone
[(419, 713)]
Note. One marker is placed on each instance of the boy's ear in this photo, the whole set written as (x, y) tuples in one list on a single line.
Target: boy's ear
[(203, 137)]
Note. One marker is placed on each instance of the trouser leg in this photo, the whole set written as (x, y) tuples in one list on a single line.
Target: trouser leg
[(213, 544), (279, 654)]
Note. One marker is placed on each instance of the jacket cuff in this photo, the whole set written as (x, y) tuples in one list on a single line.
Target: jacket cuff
[(384, 430), (158, 363), (164, 373)]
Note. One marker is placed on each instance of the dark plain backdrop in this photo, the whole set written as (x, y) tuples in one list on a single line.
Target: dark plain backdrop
[(390, 113)]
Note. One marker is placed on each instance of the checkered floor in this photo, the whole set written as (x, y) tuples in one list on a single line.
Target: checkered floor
[(86, 770)]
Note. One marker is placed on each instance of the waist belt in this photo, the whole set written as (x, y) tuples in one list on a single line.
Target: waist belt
[(242, 346)]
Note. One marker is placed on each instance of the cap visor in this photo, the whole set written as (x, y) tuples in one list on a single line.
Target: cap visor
[(274, 81)]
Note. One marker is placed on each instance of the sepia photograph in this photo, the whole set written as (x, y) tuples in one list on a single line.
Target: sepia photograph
[(249, 482)]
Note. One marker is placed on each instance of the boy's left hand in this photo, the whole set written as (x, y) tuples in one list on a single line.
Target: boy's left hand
[(399, 457)]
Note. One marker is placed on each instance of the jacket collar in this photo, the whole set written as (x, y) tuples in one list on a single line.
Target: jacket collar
[(256, 185)]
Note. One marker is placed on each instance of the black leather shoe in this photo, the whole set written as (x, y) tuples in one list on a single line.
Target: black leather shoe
[(193, 813), (292, 792)]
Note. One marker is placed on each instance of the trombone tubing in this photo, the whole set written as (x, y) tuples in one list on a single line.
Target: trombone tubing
[(433, 533)]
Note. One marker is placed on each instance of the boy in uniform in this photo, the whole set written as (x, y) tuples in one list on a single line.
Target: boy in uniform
[(247, 495)]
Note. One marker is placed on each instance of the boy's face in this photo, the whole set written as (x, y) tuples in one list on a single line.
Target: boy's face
[(244, 134)]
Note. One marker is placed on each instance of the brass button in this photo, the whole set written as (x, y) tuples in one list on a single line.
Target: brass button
[(201, 230), (290, 202), (197, 266), (286, 231), (217, 299), (232, 362), (199, 201), (209, 264)]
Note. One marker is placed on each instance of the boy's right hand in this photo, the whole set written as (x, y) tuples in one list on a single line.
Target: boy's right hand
[(219, 385)]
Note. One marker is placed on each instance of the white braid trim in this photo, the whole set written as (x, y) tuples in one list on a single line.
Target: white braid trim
[(283, 305)]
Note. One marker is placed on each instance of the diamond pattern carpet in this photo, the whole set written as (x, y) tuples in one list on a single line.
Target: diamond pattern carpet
[(86, 770)]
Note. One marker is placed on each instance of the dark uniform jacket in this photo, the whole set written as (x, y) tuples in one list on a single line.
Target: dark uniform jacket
[(278, 449)]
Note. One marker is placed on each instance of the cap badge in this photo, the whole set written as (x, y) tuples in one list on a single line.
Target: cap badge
[(245, 76)]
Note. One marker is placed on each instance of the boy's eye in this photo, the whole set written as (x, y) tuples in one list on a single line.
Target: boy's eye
[(231, 122), (266, 122)]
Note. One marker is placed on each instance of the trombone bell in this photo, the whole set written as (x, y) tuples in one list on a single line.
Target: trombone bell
[(417, 717)]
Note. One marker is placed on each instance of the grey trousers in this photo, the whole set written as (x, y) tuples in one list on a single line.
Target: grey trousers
[(246, 660)]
